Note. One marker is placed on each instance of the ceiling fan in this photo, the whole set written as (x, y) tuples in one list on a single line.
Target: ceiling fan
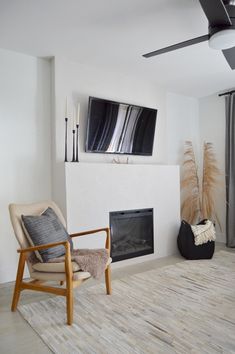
[(221, 18)]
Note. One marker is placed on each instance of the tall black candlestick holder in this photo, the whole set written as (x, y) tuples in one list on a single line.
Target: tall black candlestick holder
[(73, 157), (77, 126), (66, 141)]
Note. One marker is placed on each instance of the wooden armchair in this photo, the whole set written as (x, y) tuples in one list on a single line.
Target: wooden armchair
[(40, 273)]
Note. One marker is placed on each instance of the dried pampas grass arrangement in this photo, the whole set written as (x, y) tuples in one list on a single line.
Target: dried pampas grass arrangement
[(198, 199), (191, 205), (210, 176)]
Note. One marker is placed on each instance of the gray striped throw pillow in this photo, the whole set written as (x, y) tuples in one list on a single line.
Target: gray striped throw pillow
[(47, 228)]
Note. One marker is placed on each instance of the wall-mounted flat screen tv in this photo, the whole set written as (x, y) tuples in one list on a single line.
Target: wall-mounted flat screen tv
[(120, 128)]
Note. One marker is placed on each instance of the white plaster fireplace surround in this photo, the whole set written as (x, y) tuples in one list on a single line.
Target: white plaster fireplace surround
[(95, 189)]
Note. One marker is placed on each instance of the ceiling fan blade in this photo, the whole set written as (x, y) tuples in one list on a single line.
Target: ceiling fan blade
[(230, 56), (216, 12), (178, 46)]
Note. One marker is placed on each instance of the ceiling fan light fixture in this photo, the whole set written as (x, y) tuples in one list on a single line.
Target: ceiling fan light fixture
[(223, 39)]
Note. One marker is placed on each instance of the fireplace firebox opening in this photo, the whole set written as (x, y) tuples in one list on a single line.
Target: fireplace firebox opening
[(131, 233)]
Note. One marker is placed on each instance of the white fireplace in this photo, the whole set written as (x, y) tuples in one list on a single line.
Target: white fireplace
[(93, 190)]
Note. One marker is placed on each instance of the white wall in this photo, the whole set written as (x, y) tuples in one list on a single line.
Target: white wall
[(177, 118), (212, 129), (182, 125), (78, 82), (198, 120), (24, 143)]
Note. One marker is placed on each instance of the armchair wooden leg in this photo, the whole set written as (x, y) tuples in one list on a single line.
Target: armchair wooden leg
[(69, 303), (61, 282), (69, 286), (108, 280), (18, 282)]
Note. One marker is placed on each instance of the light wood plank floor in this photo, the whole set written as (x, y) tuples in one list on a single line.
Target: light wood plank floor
[(15, 333)]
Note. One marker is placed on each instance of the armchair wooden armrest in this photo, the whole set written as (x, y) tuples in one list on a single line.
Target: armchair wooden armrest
[(105, 229), (66, 244), (68, 262)]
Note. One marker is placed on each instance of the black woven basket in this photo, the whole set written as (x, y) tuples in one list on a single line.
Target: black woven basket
[(187, 247)]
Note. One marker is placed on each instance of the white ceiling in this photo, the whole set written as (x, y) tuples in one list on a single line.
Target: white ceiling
[(115, 33)]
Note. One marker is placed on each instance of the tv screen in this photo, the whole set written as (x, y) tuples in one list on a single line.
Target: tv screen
[(120, 128)]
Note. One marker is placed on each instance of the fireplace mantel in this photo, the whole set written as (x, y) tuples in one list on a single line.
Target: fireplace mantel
[(95, 189)]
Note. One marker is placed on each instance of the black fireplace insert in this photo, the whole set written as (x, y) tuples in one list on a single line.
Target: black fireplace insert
[(131, 233)]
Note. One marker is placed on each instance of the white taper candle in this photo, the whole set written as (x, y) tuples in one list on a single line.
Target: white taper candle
[(74, 118), (67, 108), (78, 114)]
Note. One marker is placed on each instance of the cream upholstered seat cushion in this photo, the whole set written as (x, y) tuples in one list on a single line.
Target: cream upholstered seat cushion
[(58, 267), (56, 276), (59, 276), (54, 267)]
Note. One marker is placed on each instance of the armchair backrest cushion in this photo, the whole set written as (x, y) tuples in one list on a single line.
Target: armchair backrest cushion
[(16, 210)]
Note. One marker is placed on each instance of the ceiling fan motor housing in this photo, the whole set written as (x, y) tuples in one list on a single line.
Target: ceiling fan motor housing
[(223, 36), (213, 30)]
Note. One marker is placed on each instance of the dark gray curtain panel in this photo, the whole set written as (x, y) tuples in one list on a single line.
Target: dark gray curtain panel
[(230, 169)]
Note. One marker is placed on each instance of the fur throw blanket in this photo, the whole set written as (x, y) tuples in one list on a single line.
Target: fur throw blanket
[(93, 261), (203, 233)]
